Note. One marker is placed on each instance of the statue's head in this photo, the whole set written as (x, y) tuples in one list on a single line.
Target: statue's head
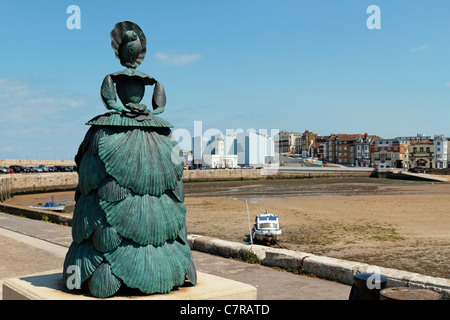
[(129, 43)]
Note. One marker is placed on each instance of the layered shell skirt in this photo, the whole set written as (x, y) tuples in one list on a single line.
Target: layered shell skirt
[(129, 222)]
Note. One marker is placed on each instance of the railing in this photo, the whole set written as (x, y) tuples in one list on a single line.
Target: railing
[(5, 187)]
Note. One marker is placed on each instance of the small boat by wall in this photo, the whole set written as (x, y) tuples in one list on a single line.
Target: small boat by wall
[(52, 206), (266, 228)]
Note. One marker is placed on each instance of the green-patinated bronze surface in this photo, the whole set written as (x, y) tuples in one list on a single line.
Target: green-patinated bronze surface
[(129, 222)]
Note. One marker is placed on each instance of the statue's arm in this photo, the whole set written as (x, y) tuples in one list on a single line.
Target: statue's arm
[(108, 93), (159, 98)]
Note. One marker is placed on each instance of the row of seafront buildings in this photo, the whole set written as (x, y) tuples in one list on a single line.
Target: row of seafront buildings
[(369, 150), (362, 150)]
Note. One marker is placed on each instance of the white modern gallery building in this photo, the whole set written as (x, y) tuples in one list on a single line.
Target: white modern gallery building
[(249, 148)]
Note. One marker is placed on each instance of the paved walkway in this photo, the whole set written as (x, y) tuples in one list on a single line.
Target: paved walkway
[(30, 246)]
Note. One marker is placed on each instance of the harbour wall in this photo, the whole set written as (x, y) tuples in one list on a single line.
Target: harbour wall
[(52, 181), (42, 182), (278, 173), (35, 163)]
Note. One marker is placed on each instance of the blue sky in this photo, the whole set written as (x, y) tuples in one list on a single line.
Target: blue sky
[(251, 64)]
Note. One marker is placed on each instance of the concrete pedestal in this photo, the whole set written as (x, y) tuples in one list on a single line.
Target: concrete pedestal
[(49, 286)]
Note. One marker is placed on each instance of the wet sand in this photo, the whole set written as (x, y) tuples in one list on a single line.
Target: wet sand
[(389, 223)]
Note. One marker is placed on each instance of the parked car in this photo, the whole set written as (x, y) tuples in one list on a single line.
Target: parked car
[(4, 170), (17, 169), (60, 168), (44, 168)]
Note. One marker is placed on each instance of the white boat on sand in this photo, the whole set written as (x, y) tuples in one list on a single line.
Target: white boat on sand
[(266, 228)]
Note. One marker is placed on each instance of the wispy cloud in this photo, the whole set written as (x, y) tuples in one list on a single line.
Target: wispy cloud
[(38, 121), (11, 89), (177, 59), (26, 104), (421, 48)]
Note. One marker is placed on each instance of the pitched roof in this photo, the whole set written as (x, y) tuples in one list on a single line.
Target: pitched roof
[(346, 137)]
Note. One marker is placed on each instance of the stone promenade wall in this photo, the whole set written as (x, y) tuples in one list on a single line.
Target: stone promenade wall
[(324, 267), (221, 174), (252, 174), (43, 182), (50, 181)]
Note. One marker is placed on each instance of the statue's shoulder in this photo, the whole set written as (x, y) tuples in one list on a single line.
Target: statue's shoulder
[(130, 72)]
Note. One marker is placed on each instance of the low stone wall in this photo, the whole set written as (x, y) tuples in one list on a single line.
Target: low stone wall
[(43, 182), (50, 181), (282, 173), (324, 267), (221, 174), (36, 214)]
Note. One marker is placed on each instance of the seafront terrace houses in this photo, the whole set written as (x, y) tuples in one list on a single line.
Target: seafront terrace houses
[(420, 151), (390, 153), (363, 150), (441, 148), (307, 139), (350, 149), (318, 150), (421, 154), (288, 142)]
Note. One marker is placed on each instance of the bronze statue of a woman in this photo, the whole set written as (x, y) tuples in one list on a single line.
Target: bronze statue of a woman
[(129, 222)]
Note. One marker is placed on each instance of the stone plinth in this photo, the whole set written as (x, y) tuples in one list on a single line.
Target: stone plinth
[(49, 286)]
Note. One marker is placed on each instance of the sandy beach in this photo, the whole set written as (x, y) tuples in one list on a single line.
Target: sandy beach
[(394, 224), (404, 226)]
